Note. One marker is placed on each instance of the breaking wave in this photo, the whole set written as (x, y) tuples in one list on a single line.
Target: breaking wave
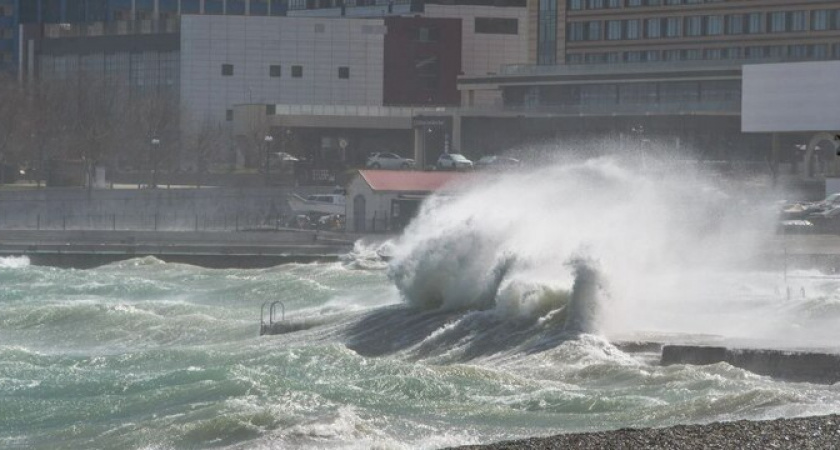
[(570, 238)]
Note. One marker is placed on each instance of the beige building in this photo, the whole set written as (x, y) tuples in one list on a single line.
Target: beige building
[(635, 31)]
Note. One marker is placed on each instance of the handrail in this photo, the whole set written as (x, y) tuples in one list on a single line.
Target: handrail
[(271, 311), (265, 326)]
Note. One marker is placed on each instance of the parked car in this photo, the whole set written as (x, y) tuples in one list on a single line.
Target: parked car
[(388, 161), (497, 162), (454, 161)]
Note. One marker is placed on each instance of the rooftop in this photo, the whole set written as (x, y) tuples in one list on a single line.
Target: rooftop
[(409, 181)]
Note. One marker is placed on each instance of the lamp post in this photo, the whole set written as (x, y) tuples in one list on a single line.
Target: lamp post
[(268, 140), (153, 148)]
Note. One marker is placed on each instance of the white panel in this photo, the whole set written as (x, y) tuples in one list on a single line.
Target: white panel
[(791, 97)]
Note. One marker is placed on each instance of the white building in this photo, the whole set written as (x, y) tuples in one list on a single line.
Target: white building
[(230, 60)]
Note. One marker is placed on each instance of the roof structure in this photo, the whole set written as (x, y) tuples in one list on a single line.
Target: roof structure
[(409, 181)]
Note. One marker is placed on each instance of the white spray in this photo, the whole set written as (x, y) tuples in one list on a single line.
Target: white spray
[(527, 243)]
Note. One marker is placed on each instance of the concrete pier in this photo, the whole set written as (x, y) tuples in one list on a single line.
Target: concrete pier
[(802, 366)]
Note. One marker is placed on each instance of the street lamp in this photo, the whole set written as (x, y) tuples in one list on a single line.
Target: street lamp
[(153, 161), (268, 140)]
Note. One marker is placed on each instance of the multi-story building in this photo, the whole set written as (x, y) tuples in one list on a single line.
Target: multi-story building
[(8, 43), (615, 31), (667, 71)]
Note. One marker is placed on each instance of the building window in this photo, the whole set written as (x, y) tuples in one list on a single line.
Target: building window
[(275, 71), (714, 53), (596, 58), (631, 3), (735, 24), (820, 51), (547, 32), (259, 8), (229, 115), (732, 53), (227, 70), (693, 54), (595, 4), (653, 3), (819, 20), (297, 71), (270, 109), (485, 25), (633, 29), (634, 57), (213, 7), (673, 27), (344, 73), (755, 23), (427, 34), (799, 51), (673, 2), (778, 22), (694, 26), (614, 57), (673, 55), (653, 55), (593, 31), (613, 30), (798, 21), (235, 7), (574, 58), (777, 51), (575, 5), (653, 28), (190, 6), (576, 31), (754, 52), (714, 25), (613, 3), (427, 70)]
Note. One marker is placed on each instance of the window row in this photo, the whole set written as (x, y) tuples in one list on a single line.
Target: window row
[(577, 5), (645, 93), (276, 71), (797, 51), (697, 26)]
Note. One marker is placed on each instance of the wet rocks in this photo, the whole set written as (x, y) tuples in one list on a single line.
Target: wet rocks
[(821, 432)]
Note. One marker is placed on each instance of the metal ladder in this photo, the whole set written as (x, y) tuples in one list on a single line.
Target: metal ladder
[(265, 326)]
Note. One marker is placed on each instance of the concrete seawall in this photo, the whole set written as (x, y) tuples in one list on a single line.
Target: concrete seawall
[(83, 249), (801, 366)]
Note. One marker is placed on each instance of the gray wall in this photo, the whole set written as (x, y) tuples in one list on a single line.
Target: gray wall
[(149, 209)]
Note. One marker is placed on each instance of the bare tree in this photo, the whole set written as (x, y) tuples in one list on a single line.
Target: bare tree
[(206, 144), (11, 97), (97, 111), (154, 119)]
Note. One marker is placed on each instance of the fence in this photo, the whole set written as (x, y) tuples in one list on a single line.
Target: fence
[(145, 222)]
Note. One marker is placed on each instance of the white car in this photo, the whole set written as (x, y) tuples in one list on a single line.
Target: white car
[(388, 161), (453, 161)]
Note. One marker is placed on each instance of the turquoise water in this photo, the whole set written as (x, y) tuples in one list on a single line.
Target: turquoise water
[(145, 354)]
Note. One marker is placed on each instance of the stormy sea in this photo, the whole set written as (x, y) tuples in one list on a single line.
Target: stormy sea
[(496, 315)]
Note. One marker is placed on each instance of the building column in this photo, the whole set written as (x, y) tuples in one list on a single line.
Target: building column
[(420, 148), (456, 134), (775, 150)]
